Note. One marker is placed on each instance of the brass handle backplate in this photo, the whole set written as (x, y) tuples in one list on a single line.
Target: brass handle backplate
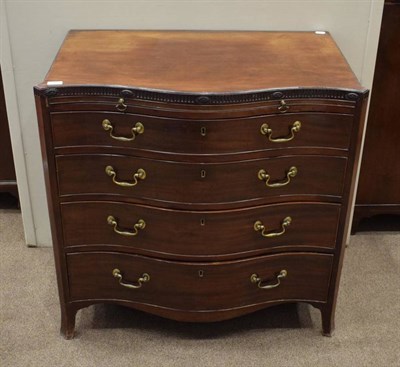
[(136, 130), (264, 176), (254, 278), (259, 227), (140, 224), (143, 279), (266, 130), (140, 174)]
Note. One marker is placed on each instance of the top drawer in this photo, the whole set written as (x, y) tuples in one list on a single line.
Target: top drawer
[(185, 136)]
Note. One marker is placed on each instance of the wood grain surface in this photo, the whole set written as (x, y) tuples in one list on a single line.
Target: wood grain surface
[(168, 181), (201, 61), (202, 136), (379, 183), (198, 235), (180, 286)]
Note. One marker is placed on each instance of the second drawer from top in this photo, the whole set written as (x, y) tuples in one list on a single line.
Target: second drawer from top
[(202, 183)]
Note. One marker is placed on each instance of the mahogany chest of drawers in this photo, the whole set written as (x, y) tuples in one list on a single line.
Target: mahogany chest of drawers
[(199, 176)]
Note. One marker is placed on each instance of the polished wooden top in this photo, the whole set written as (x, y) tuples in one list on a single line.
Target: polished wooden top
[(197, 61)]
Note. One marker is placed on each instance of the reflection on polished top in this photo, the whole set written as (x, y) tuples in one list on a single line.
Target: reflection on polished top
[(190, 61)]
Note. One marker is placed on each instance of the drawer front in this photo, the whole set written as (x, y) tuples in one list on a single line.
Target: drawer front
[(200, 183), (200, 235), (201, 137), (198, 286)]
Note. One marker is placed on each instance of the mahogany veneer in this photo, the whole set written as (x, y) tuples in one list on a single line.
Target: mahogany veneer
[(231, 232), (379, 183), (181, 284), (201, 216)]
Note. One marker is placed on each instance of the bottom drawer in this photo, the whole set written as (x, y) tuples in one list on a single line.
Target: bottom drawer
[(199, 286)]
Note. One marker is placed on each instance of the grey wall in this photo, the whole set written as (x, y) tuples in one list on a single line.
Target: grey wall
[(37, 28)]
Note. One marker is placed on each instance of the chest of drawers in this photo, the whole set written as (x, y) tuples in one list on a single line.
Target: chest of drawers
[(199, 176)]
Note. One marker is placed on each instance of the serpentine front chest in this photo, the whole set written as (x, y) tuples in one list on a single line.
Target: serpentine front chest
[(199, 176)]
